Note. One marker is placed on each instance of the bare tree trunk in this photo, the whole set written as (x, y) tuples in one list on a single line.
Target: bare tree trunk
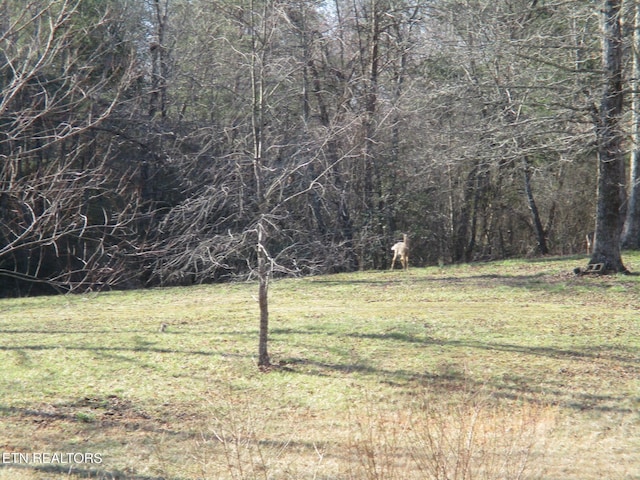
[(463, 236), (606, 250), (370, 174), (533, 208), (258, 62), (159, 64), (631, 233), (263, 301)]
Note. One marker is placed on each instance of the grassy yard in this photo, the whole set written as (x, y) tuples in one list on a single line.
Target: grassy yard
[(515, 369)]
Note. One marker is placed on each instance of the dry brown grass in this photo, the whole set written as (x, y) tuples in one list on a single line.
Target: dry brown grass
[(467, 436)]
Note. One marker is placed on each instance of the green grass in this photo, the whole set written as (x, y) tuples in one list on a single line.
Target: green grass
[(490, 369)]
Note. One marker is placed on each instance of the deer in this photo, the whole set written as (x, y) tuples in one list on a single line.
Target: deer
[(401, 249), (589, 241)]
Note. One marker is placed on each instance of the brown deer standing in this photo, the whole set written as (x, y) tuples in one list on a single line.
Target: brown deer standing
[(401, 249)]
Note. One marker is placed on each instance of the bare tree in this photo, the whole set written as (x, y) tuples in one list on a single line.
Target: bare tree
[(240, 219), (261, 25), (609, 215), (506, 123), (63, 72)]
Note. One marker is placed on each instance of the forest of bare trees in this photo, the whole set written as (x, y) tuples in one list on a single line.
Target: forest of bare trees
[(170, 142)]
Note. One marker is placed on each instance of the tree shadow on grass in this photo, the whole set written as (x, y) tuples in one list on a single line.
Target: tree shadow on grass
[(454, 379), (93, 413), (86, 416), (632, 359), (120, 415), (133, 349), (556, 388), (542, 280)]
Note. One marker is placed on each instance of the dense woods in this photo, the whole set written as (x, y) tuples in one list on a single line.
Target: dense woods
[(163, 142)]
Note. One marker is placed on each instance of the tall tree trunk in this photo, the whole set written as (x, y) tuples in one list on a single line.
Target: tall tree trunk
[(606, 250), (464, 223), (159, 63), (370, 173), (263, 300), (258, 62), (631, 233), (541, 236)]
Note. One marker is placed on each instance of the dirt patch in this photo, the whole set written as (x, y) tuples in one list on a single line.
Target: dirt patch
[(101, 412)]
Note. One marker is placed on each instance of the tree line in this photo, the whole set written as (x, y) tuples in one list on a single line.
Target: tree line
[(171, 142)]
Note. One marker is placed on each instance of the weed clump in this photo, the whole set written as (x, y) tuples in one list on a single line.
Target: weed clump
[(467, 437)]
